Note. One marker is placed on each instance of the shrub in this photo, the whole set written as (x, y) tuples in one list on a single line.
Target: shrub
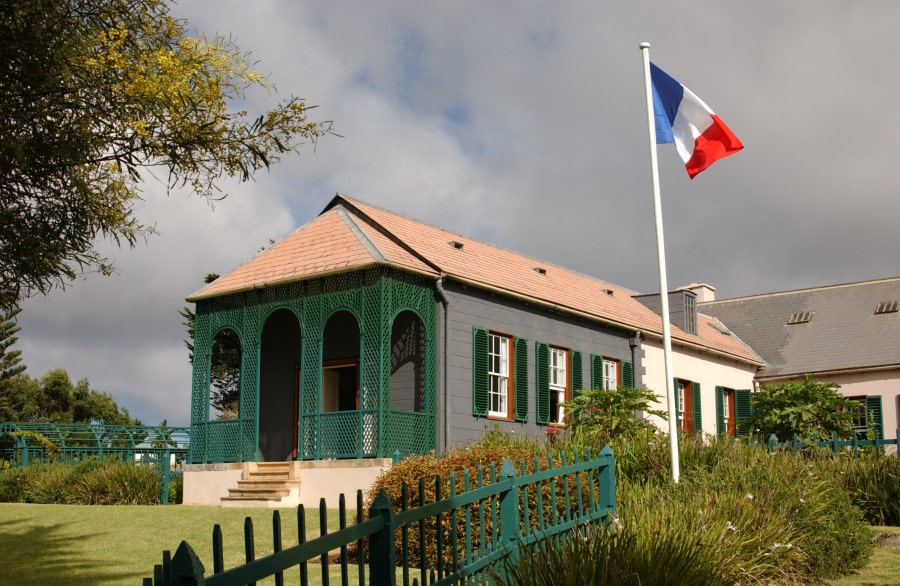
[(116, 483), (872, 482), (621, 557), (597, 416), (90, 481), (807, 408)]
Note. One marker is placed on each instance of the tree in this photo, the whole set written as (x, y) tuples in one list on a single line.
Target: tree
[(806, 408), (10, 360), (94, 94), (56, 399)]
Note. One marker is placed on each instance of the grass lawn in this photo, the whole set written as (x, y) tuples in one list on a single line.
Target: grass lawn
[(79, 545)]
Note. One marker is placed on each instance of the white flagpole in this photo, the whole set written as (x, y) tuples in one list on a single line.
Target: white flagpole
[(661, 255)]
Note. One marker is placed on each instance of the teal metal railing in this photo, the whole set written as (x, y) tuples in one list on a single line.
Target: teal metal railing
[(470, 533), (24, 443)]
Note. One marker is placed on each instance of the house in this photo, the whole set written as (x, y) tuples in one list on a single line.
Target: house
[(365, 334), (848, 334)]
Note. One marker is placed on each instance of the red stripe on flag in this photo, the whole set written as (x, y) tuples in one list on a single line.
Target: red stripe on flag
[(716, 142)]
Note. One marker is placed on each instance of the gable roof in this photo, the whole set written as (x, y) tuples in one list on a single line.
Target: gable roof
[(843, 331), (350, 235)]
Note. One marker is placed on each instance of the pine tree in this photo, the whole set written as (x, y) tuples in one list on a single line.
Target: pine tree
[(10, 360)]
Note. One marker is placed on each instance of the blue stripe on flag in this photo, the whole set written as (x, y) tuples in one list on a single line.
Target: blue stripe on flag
[(667, 95)]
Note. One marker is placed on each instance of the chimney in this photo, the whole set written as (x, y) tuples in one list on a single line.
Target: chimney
[(703, 291)]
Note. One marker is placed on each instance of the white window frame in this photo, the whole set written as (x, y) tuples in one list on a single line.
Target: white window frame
[(559, 380), (610, 375), (681, 387), (498, 376), (727, 397)]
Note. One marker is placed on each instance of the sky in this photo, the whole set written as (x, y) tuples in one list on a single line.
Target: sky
[(523, 124)]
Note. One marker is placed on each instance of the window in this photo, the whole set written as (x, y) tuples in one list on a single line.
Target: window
[(558, 384), (868, 415), (687, 403), (725, 411), (610, 375), (498, 374), (732, 407)]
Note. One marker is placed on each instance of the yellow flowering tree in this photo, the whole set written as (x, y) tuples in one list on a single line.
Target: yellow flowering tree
[(94, 94)]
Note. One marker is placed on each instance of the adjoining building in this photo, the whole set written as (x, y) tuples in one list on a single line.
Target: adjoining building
[(848, 334), (366, 334)]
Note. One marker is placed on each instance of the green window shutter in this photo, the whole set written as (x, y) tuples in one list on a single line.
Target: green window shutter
[(697, 408), (542, 381), (741, 410), (627, 374), (480, 381), (874, 416), (596, 371), (720, 412), (576, 385), (521, 408)]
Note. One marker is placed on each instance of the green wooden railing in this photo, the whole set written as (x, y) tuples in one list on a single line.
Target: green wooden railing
[(24, 443), (494, 516)]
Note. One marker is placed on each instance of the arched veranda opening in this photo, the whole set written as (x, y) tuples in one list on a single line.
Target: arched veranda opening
[(339, 420), (279, 386)]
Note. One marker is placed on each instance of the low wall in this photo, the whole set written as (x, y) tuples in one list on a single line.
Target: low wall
[(329, 478), (206, 484)]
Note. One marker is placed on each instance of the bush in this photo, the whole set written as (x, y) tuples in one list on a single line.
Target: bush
[(116, 483), (90, 481), (597, 416), (621, 557), (872, 481), (788, 517)]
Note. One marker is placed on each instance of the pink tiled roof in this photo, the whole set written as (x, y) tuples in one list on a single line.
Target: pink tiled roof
[(330, 244)]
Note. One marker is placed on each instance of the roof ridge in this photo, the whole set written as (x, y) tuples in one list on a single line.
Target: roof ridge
[(367, 243), (380, 228), (804, 290), (482, 242)]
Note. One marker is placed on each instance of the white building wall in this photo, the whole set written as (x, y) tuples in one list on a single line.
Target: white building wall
[(705, 368)]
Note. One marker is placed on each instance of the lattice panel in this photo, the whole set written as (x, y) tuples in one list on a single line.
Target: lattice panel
[(340, 434), (308, 435), (410, 433), (370, 434), (222, 438)]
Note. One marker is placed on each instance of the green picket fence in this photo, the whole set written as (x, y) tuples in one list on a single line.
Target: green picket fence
[(495, 515), (24, 443), (834, 444)]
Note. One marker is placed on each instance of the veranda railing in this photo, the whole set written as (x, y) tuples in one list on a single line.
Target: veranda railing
[(494, 516)]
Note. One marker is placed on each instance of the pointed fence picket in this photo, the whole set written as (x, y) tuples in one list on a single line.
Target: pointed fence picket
[(476, 528)]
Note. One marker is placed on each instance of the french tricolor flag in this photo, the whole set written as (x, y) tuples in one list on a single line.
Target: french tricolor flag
[(700, 136)]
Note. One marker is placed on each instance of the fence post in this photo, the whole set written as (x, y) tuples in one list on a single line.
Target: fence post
[(607, 481), (164, 478), (187, 569), (395, 457), (509, 512), (382, 549), (772, 444)]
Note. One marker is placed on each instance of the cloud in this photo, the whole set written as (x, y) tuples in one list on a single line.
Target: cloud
[(523, 124)]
